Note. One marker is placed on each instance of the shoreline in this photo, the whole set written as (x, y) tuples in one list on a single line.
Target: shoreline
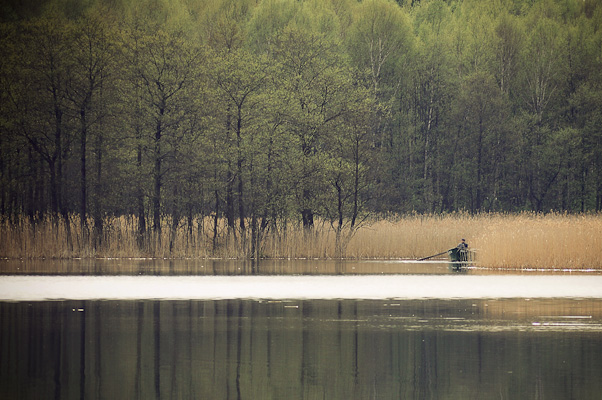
[(517, 241)]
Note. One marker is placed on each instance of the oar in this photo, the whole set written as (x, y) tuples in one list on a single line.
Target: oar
[(434, 255)]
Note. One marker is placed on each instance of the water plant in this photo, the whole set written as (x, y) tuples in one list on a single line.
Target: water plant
[(512, 241)]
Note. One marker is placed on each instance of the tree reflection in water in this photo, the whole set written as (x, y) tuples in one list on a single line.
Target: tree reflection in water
[(332, 349)]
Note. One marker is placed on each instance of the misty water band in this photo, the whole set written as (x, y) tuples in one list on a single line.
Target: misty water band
[(37, 288)]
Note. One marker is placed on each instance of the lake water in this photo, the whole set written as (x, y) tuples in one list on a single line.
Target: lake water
[(142, 329)]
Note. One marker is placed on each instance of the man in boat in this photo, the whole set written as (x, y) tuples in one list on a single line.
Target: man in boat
[(463, 250)]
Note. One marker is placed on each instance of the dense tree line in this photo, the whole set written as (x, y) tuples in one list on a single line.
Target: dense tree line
[(263, 111)]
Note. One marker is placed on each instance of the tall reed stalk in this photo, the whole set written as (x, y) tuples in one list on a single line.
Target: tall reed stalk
[(525, 240)]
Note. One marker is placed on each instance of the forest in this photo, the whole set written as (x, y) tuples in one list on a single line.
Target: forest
[(244, 116)]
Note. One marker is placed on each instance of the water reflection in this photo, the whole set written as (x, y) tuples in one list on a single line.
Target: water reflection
[(313, 349), (219, 267), (170, 267)]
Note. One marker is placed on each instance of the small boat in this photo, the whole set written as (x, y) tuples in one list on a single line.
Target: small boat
[(461, 257), (457, 256)]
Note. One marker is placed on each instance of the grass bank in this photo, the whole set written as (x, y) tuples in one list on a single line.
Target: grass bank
[(525, 240)]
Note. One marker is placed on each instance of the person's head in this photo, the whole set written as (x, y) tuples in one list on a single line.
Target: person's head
[(463, 240)]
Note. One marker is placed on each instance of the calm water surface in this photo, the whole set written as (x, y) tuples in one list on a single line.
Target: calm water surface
[(474, 347)]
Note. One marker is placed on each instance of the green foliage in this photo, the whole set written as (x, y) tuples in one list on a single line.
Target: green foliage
[(380, 34), (271, 111), (268, 21)]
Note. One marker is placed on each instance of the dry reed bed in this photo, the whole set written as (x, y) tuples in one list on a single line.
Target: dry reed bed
[(415, 236), (541, 241), (515, 241)]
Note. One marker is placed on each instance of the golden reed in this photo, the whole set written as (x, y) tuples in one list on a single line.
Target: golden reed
[(532, 240), (513, 241)]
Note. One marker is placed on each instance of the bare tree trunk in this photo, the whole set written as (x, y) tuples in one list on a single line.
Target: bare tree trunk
[(229, 179), (215, 222), (98, 217), (56, 165), (339, 245), (83, 177), (141, 213), (241, 204), (157, 175), (479, 193)]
